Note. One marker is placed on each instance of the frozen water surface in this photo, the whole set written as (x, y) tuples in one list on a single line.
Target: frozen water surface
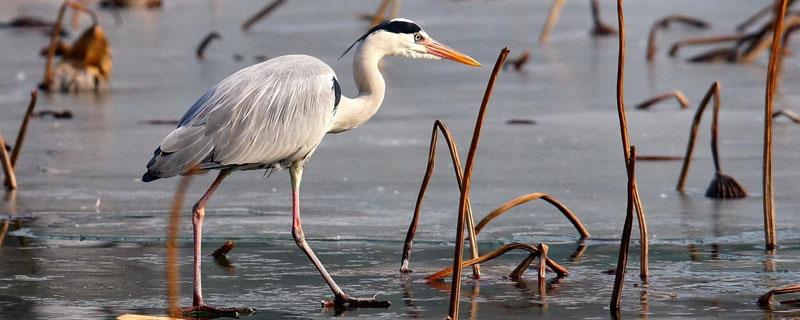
[(89, 243)]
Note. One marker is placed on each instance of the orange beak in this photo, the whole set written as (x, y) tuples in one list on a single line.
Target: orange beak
[(446, 52)]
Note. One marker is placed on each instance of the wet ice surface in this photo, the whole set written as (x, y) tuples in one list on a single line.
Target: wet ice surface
[(91, 237)]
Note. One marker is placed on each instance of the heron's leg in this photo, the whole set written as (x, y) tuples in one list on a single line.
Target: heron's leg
[(341, 299), (198, 215)]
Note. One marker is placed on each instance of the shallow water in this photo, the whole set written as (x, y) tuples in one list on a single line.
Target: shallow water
[(90, 243)]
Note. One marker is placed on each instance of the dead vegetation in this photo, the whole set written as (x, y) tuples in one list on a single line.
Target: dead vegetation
[(85, 65)]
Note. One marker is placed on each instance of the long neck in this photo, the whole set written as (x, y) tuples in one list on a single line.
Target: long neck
[(371, 88)]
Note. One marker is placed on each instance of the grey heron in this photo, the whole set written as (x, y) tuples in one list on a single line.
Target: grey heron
[(273, 115)]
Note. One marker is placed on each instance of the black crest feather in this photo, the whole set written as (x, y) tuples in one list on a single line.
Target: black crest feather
[(394, 26)]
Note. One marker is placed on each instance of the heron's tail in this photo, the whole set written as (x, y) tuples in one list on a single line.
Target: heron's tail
[(180, 152), (148, 176)]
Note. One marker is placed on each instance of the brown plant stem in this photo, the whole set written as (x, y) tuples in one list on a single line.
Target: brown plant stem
[(543, 248), (623, 123), (658, 157), (677, 94), (412, 228), (224, 249), (677, 45), (765, 301), (455, 291), (522, 266), (201, 49), (377, 18), (791, 115), (173, 276), (261, 14), (576, 222), (755, 17), (770, 236), (625, 241), (722, 186), (599, 29), (8, 168), (713, 91), (664, 23), (23, 129), (51, 50), (552, 18), (557, 268)]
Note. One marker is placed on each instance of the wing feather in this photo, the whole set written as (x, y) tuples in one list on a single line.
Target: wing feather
[(275, 111)]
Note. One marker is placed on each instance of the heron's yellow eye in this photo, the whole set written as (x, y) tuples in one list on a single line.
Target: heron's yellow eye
[(417, 37)]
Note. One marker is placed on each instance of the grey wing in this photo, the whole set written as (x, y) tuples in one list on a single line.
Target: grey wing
[(273, 112)]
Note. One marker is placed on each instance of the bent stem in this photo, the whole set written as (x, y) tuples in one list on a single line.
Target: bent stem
[(774, 62), (600, 29), (576, 222), (677, 45), (677, 94), (51, 50), (722, 186), (664, 23), (8, 168), (791, 115), (623, 124), (412, 228), (553, 265), (713, 91), (201, 49), (765, 301), (455, 290)]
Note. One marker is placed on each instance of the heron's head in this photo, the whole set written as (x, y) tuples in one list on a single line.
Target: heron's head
[(403, 37)]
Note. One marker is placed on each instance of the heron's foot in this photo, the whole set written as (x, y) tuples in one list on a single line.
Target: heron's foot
[(204, 310), (404, 268), (347, 302)]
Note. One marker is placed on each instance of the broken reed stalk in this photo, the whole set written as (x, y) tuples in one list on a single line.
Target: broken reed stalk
[(754, 18), (543, 248), (677, 45), (412, 228), (576, 222), (23, 129), (377, 18), (600, 29), (51, 50), (713, 91), (8, 168), (553, 265), (522, 267), (677, 94), (722, 186), (765, 301), (552, 18), (762, 42), (455, 291), (4, 231), (224, 249), (664, 23), (658, 157), (173, 276), (625, 241), (623, 124), (795, 117), (774, 62), (261, 14), (201, 49)]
